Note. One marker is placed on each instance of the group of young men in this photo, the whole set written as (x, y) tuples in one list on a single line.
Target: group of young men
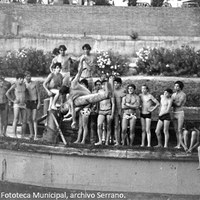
[(94, 107), (25, 98)]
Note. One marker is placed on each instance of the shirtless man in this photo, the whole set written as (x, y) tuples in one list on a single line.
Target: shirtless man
[(33, 104), (119, 93), (88, 65), (106, 113), (4, 86), (53, 84), (164, 117), (147, 100), (191, 131), (179, 99), (19, 106), (130, 104), (65, 61)]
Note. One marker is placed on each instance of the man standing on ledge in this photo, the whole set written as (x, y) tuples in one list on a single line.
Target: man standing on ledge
[(179, 99)]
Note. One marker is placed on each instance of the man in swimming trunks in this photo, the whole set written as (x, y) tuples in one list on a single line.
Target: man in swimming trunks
[(119, 93), (32, 105), (4, 86), (130, 104), (106, 113), (20, 100), (179, 99), (164, 117), (147, 100)]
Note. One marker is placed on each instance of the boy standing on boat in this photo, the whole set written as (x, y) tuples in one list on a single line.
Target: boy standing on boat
[(4, 86), (19, 100)]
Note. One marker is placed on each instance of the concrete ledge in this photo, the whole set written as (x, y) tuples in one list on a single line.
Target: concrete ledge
[(98, 169), (135, 153)]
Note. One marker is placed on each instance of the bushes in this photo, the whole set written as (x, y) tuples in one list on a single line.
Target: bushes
[(35, 61), (184, 61)]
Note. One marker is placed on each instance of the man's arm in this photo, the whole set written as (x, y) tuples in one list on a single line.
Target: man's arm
[(8, 93), (38, 95), (156, 102), (80, 69)]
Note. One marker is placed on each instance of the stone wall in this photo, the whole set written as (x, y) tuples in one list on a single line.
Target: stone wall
[(105, 28)]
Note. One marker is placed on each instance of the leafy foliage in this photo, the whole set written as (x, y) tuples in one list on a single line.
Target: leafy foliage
[(35, 61), (184, 61)]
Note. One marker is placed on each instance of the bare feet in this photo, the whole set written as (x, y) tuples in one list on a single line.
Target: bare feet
[(177, 147), (149, 146), (142, 145), (98, 143), (159, 145), (76, 142)]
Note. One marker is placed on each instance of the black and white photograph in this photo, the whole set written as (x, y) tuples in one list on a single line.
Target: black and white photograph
[(100, 99)]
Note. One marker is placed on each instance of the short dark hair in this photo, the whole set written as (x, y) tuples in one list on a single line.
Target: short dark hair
[(55, 51), (118, 80), (131, 85), (64, 90), (145, 86), (62, 47), (57, 64), (170, 91), (85, 82), (86, 46), (19, 76), (97, 81), (180, 83)]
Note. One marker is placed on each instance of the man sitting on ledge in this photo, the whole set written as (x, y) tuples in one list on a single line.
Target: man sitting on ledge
[(80, 96)]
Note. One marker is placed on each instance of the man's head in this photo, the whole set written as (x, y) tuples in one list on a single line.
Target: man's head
[(64, 90), (62, 49), (97, 84), (178, 85), (86, 48), (145, 89), (57, 67), (84, 82), (168, 92), (131, 88), (117, 82), (28, 76), (20, 78)]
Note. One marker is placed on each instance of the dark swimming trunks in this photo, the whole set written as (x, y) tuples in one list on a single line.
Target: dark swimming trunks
[(145, 115), (32, 104), (165, 117)]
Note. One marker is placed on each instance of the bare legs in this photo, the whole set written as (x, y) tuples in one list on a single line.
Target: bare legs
[(132, 123), (146, 130), (165, 130), (17, 111)]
